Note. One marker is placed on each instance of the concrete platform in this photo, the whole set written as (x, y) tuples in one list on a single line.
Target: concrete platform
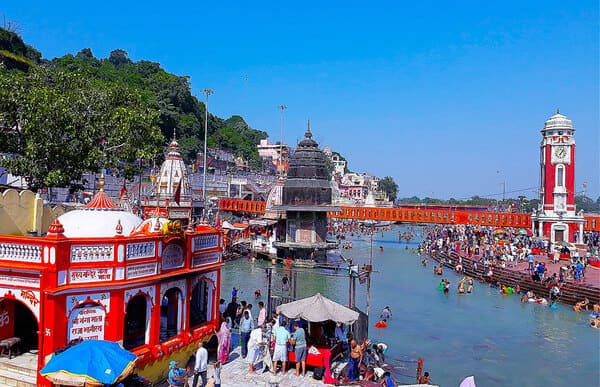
[(235, 373)]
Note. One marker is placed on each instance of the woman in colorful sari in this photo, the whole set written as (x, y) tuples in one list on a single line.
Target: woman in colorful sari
[(224, 338)]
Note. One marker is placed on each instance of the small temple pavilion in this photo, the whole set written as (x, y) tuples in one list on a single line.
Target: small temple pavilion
[(172, 194), (306, 199), (103, 273)]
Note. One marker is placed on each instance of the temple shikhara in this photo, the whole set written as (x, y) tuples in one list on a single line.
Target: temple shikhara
[(101, 272)]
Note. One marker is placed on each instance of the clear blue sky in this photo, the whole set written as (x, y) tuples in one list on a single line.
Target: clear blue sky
[(446, 97)]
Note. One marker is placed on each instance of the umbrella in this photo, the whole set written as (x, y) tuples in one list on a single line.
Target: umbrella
[(90, 363), (316, 309), (522, 232)]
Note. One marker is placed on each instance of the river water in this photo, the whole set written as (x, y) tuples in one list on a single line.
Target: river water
[(496, 338)]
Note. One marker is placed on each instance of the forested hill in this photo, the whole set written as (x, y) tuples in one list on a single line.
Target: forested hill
[(171, 94), (168, 93)]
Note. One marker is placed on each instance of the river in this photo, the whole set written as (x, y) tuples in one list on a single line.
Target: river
[(496, 338)]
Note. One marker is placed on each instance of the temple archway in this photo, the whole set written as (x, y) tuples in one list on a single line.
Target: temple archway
[(136, 327), (171, 313), (199, 303), (17, 320)]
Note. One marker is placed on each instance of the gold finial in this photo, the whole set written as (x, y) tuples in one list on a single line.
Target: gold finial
[(101, 182)]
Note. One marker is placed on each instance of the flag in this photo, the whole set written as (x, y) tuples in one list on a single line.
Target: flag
[(123, 190), (177, 196)]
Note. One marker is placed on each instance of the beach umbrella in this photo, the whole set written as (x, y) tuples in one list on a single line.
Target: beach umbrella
[(90, 363)]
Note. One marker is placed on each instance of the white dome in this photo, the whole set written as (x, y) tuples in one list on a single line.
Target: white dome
[(558, 122), (97, 223)]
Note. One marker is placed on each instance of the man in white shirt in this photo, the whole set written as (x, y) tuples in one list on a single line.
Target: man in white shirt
[(201, 365), (255, 346)]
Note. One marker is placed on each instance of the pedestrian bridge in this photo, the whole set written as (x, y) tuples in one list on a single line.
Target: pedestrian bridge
[(413, 215)]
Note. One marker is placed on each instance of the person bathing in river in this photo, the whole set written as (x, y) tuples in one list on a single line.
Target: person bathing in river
[(581, 304), (386, 313), (470, 285), (461, 287), (446, 286)]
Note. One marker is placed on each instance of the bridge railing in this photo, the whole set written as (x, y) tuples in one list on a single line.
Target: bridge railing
[(414, 215)]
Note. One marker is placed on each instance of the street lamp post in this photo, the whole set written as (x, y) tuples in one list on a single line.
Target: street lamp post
[(282, 108), (207, 92)]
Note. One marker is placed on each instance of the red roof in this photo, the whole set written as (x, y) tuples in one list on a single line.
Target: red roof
[(101, 201)]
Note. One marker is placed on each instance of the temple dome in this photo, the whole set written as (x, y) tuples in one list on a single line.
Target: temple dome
[(558, 122), (97, 223)]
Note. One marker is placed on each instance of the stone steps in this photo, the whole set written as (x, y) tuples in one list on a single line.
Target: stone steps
[(572, 292), (15, 376)]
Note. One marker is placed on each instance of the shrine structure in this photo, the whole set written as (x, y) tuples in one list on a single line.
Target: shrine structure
[(171, 194), (103, 273)]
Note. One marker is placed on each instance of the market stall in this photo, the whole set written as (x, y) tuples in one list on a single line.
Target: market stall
[(322, 315)]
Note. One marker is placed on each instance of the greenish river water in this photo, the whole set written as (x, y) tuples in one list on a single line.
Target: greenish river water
[(496, 338)]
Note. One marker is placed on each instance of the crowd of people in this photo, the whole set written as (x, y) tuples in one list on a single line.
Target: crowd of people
[(489, 248)]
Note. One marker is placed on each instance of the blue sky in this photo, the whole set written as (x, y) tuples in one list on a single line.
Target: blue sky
[(446, 97)]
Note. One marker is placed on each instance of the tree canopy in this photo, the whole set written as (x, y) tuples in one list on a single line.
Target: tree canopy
[(79, 113), (180, 111), (389, 186), (58, 125)]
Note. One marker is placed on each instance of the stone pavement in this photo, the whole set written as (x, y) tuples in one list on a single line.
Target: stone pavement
[(235, 373)]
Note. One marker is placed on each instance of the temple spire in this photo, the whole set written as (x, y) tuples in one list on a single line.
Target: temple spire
[(308, 133), (557, 111)]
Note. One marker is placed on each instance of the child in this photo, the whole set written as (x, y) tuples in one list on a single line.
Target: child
[(217, 374)]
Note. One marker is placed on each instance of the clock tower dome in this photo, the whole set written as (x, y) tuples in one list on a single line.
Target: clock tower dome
[(556, 217)]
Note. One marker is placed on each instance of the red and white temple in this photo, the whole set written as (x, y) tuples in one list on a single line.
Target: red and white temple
[(172, 195), (104, 273)]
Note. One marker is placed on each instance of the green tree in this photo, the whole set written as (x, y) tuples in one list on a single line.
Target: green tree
[(58, 125), (389, 186), (585, 203)]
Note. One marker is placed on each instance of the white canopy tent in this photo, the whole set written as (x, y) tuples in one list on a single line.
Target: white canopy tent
[(317, 309)]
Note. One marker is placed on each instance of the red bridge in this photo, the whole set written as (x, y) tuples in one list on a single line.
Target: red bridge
[(414, 215)]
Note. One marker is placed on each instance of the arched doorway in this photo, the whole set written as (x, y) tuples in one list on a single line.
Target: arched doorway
[(17, 320), (135, 329), (171, 311), (199, 303)]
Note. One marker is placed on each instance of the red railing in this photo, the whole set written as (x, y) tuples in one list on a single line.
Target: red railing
[(414, 215)]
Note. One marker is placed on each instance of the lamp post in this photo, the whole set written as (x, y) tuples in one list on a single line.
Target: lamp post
[(207, 92), (282, 108)]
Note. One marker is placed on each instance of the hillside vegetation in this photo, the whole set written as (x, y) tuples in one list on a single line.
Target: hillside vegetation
[(79, 113)]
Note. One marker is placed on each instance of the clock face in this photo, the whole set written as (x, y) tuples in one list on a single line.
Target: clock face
[(561, 152)]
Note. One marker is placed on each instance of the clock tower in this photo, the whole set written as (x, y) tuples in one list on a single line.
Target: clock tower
[(556, 216)]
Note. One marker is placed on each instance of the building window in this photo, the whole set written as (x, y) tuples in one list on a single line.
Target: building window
[(560, 176), (171, 310), (135, 330), (199, 303)]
